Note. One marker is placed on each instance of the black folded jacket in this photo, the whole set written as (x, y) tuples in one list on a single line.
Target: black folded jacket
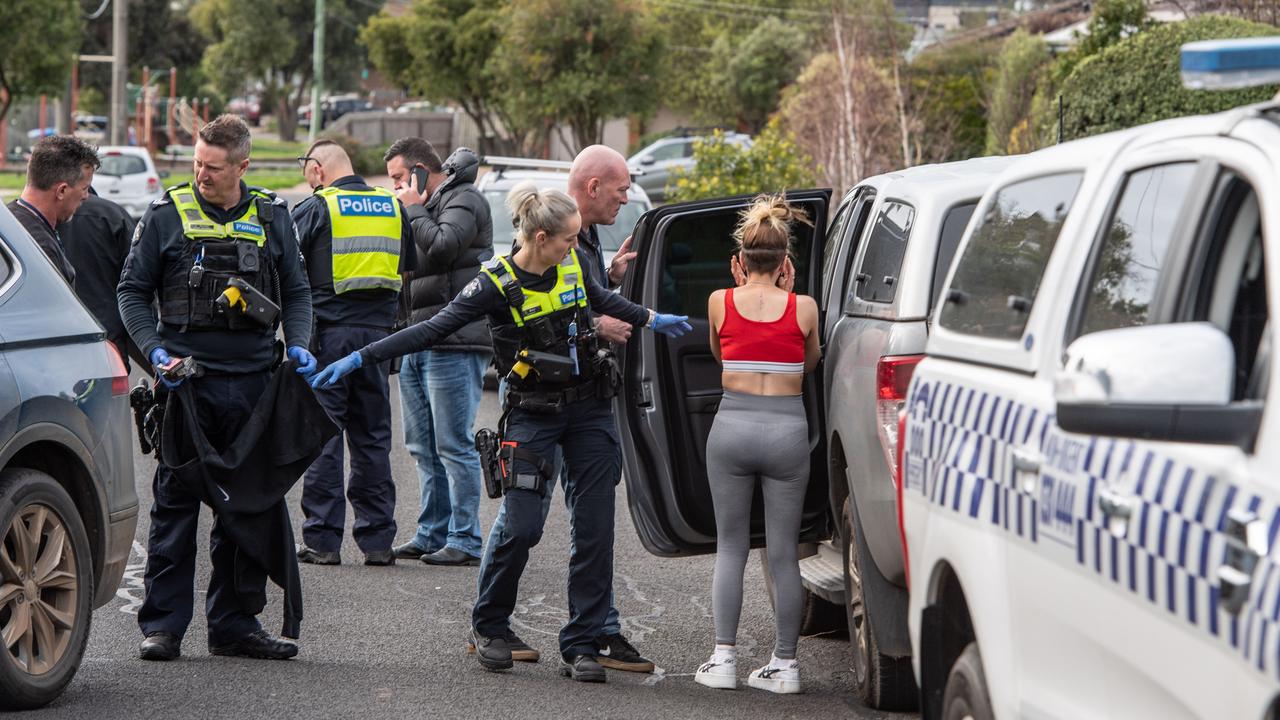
[(246, 483)]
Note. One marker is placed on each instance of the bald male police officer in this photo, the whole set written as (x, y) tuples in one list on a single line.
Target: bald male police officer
[(186, 249), (357, 243)]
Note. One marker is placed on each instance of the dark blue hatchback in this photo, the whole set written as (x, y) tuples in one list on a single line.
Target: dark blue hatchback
[(68, 505)]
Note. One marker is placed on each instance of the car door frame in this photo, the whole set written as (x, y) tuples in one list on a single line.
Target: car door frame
[(661, 521)]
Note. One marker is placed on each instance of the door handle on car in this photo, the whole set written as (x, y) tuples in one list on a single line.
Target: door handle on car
[(1026, 465), (1245, 544), (1117, 508)]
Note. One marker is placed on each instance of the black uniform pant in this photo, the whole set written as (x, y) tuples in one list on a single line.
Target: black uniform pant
[(360, 404), (223, 404), (593, 465)]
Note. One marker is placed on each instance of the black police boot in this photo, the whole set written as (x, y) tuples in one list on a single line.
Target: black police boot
[(583, 668), (160, 646), (380, 557), (259, 644), (312, 556), (493, 653)]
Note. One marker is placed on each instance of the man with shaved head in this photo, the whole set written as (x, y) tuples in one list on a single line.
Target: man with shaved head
[(357, 244)]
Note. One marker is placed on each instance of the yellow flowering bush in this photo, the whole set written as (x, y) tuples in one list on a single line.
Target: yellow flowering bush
[(773, 163)]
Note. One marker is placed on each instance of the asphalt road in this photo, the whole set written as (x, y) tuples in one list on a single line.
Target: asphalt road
[(389, 641)]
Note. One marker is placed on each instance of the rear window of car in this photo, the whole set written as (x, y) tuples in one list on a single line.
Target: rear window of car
[(953, 226), (878, 275), (611, 236), (996, 279), (117, 165)]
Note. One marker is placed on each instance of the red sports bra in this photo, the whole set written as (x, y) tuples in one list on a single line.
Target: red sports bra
[(764, 347)]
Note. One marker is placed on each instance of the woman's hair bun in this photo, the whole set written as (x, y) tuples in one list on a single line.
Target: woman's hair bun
[(764, 234)]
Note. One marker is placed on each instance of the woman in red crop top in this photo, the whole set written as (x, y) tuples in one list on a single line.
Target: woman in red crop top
[(766, 338)]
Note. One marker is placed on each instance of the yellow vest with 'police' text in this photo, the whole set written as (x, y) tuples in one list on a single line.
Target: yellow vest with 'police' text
[(366, 228)]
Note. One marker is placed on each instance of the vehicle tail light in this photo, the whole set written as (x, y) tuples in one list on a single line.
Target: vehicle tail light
[(119, 375), (898, 481), (893, 378), (153, 185)]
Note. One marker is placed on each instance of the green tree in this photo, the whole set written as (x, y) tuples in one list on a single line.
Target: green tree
[(1018, 69), (767, 60), (161, 36), (578, 62), (948, 97), (270, 41), (1138, 80), (37, 40), (442, 50), (773, 163), (702, 40)]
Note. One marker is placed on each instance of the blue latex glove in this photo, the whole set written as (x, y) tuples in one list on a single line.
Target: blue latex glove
[(159, 358), (336, 370), (306, 361), (671, 325)]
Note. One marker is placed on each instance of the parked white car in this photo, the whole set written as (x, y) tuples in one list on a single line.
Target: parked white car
[(128, 177), (1088, 491)]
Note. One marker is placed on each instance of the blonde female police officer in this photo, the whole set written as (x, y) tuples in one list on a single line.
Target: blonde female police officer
[(539, 303)]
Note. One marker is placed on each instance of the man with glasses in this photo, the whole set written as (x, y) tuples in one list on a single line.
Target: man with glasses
[(357, 244), (58, 178)]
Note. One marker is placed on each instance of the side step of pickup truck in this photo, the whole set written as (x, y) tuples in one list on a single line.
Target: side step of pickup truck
[(823, 574)]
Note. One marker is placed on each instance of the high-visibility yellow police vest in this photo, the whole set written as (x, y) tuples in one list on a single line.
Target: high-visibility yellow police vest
[(565, 294), (197, 225), (366, 238)]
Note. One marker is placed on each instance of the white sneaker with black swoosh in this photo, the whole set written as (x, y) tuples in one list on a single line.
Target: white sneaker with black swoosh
[(779, 676)]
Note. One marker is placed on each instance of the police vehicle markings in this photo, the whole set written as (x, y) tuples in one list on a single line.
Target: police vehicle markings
[(1162, 554)]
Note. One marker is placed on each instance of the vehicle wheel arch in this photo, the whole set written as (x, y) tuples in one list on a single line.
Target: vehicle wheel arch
[(837, 474), (946, 628), (59, 454)]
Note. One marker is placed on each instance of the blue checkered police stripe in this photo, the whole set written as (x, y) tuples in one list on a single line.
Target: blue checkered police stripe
[(963, 438)]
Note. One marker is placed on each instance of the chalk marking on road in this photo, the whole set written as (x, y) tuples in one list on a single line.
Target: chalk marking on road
[(132, 580), (701, 604), (536, 609), (634, 626)]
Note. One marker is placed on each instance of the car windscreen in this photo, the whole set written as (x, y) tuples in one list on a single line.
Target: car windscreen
[(611, 236), (117, 165)]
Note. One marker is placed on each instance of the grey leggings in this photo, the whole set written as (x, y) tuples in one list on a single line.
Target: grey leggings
[(764, 437)]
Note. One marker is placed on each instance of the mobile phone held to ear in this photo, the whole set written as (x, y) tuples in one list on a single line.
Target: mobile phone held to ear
[(420, 180)]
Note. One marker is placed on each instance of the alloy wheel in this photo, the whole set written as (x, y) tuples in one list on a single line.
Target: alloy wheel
[(857, 609), (38, 589)]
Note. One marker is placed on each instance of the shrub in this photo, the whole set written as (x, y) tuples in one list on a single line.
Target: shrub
[(1137, 80), (773, 163)]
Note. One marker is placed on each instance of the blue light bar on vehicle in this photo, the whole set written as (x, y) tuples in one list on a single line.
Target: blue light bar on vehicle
[(1225, 64)]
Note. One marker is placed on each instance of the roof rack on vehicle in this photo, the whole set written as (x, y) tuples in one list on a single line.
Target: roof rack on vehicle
[(500, 163)]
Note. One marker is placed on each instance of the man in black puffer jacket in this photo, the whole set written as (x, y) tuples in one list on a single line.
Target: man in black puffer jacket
[(440, 388)]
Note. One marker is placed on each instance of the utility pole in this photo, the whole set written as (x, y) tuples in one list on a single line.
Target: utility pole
[(317, 69), (119, 70)]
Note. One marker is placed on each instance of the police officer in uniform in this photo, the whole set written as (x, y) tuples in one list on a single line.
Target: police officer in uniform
[(187, 248), (539, 302), (357, 243)]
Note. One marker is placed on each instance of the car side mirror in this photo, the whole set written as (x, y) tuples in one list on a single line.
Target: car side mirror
[(648, 160), (1155, 382)]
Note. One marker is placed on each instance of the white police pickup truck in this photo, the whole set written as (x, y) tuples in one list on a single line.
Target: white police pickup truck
[(1090, 485)]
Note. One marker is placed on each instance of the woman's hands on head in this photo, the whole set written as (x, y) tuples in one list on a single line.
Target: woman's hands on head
[(739, 274), (787, 278)]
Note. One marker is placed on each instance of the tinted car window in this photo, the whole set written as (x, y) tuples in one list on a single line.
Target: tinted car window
[(996, 279), (117, 165), (5, 267), (1128, 265), (953, 226), (829, 259), (670, 151), (878, 275), (696, 260), (611, 236)]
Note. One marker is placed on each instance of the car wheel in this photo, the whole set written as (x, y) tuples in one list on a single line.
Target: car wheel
[(817, 616), (46, 589), (966, 695), (882, 681)]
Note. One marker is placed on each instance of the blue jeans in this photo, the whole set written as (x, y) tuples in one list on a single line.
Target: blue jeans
[(440, 391), (612, 622)]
